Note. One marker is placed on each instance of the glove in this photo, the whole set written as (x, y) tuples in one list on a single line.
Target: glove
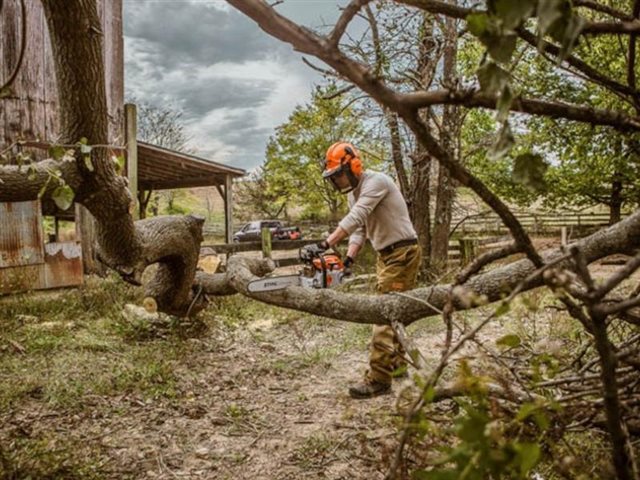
[(348, 263), (309, 252), (323, 245)]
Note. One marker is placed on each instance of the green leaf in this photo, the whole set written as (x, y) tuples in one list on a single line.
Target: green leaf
[(503, 143), (513, 12), (509, 341), (85, 149), (63, 196), (529, 170), (571, 34), (502, 309), (492, 78), (503, 104), (528, 456), (549, 11), (119, 163), (526, 410), (477, 23), (56, 152), (436, 475), (31, 173), (88, 163), (83, 141), (500, 46)]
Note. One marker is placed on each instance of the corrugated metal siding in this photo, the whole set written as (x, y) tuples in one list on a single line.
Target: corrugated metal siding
[(21, 237), (62, 267)]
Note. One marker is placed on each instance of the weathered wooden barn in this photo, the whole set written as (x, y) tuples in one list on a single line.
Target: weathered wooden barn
[(32, 253)]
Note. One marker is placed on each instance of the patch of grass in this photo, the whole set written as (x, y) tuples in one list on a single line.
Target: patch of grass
[(237, 311), (313, 452), (58, 348), (333, 344), (45, 458)]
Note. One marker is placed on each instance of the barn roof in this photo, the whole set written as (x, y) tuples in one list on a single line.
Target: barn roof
[(162, 169)]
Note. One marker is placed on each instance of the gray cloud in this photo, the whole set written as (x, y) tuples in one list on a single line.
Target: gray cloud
[(184, 34), (233, 82)]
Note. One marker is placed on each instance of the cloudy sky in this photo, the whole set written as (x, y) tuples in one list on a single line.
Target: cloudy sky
[(233, 82)]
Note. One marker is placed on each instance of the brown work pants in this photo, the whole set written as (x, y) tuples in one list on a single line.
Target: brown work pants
[(396, 271)]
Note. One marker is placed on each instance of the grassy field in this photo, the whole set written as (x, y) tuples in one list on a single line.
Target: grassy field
[(246, 391)]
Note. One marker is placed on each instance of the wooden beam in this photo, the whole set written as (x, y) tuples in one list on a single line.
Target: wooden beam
[(131, 139), (228, 208)]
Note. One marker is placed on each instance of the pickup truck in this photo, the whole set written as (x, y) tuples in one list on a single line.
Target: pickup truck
[(252, 231)]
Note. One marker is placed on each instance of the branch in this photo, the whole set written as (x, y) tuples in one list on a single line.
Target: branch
[(593, 28), (599, 7), (473, 98), (347, 15), (308, 42), (617, 28), (577, 63), (385, 309), (26, 182)]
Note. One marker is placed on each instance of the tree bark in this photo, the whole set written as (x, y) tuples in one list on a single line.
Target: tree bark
[(493, 286), (449, 136), (125, 246), (615, 204)]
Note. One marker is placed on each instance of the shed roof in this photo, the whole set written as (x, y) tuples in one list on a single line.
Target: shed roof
[(163, 169)]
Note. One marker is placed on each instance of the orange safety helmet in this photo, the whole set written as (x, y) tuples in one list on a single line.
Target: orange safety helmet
[(343, 157)]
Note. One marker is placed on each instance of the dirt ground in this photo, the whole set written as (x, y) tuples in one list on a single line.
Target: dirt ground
[(260, 395), (254, 392)]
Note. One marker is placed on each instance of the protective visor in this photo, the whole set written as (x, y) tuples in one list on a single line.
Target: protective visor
[(336, 173)]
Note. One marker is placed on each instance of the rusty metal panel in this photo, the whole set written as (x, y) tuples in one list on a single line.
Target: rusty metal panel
[(63, 265), (62, 268), (21, 279), (21, 237)]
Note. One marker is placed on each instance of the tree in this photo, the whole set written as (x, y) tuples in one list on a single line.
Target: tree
[(498, 29), (173, 242), (294, 155)]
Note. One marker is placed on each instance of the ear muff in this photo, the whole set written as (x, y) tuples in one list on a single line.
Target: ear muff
[(354, 161)]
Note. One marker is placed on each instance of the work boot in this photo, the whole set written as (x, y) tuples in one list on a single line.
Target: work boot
[(369, 389)]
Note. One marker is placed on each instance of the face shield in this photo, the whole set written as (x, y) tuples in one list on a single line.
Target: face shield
[(342, 178)]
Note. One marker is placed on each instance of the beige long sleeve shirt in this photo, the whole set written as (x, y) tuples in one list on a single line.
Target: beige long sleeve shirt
[(378, 212)]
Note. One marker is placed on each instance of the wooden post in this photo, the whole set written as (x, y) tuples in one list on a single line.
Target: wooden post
[(228, 208), (266, 242), (563, 236), (467, 250), (131, 139)]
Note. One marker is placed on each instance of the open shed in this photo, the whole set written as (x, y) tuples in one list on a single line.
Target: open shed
[(163, 169)]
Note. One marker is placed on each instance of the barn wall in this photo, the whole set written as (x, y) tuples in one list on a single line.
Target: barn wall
[(30, 112)]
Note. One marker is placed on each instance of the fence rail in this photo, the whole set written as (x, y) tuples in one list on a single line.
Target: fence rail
[(462, 250), (536, 222)]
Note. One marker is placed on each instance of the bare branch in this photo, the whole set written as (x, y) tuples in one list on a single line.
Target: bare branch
[(474, 98), (599, 7), (347, 15)]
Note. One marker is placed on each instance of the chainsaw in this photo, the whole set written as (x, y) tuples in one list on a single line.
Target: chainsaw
[(320, 270)]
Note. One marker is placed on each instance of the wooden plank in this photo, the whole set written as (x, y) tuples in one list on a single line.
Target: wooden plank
[(32, 79), (50, 93), (266, 242), (131, 125), (11, 39), (228, 208)]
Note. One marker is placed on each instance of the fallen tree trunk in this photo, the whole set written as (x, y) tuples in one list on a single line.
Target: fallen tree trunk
[(492, 286)]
